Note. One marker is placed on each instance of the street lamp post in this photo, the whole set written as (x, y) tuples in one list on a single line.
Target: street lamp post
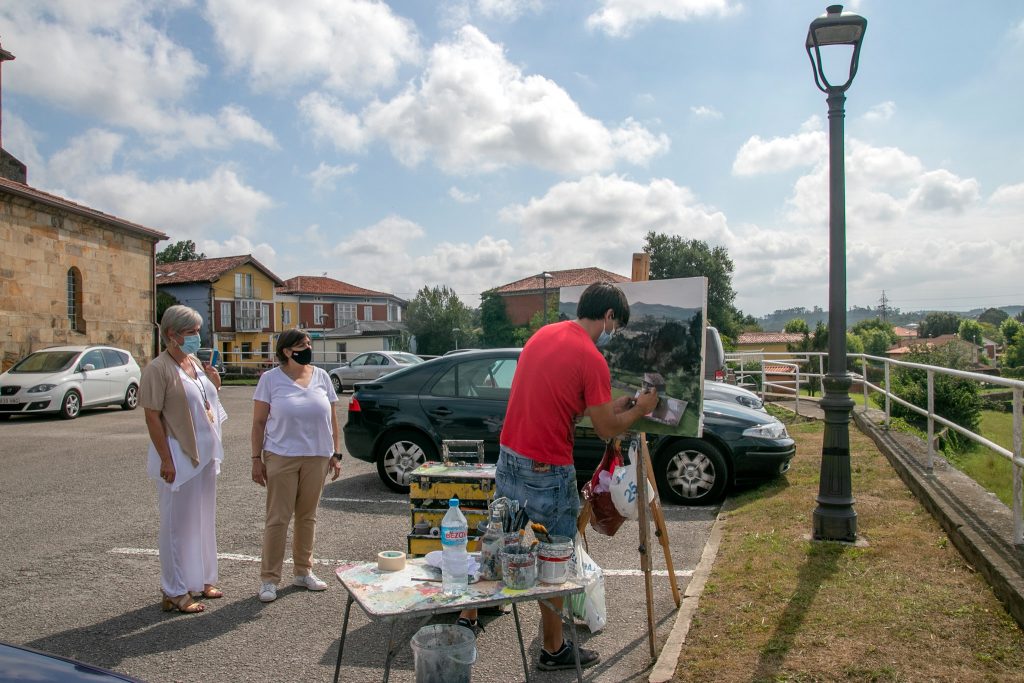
[(455, 333), (834, 517), (545, 276)]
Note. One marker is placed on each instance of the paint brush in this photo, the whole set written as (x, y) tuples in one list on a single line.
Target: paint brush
[(541, 532)]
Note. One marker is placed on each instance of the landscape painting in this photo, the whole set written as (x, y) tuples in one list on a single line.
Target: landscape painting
[(661, 348)]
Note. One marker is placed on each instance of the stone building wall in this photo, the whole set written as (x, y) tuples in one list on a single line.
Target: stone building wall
[(39, 245)]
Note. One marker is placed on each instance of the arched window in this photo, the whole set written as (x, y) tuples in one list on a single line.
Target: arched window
[(75, 319)]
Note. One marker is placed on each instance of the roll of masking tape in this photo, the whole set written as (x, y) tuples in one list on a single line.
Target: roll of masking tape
[(390, 560), (435, 532)]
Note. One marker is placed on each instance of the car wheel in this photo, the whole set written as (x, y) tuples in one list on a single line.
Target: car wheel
[(337, 384), (690, 472), (71, 405), (131, 398), (400, 453)]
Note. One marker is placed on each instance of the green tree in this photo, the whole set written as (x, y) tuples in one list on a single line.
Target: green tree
[(876, 324), (797, 326), (496, 330), (184, 250), (970, 330), (956, 399), (995, 316), (875, 341), (163, 302), (672, 257), (938, 323), (1013, 335), (440, 321)]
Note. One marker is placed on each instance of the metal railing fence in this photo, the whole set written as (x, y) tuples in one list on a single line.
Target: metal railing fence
[(781, 374)]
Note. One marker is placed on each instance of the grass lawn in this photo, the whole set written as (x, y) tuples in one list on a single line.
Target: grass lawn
[(905, 608)]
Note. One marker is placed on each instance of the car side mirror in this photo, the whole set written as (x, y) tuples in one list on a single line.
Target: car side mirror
[(87, 367)]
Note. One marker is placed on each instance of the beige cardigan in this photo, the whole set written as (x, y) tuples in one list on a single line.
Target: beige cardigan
[(161, 390)]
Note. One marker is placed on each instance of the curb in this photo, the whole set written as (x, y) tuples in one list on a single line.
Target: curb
[(665, 668)]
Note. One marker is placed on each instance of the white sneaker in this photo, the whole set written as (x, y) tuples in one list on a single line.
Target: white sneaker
[(268, 592), (310, 582)]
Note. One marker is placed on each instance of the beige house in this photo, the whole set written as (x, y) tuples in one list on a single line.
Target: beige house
[(72, 275)]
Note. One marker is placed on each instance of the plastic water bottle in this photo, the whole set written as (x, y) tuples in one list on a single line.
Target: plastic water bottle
[(491, 545), (454, 558)]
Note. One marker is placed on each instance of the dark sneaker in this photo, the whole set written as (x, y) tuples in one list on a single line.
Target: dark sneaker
[(564, 658), (475, 626)]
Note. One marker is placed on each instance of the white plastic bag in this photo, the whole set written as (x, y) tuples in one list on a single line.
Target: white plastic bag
[(623, 486), (590, 606)]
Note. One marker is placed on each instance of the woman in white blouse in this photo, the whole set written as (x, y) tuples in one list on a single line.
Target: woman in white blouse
[(295, 440), (184, 416)]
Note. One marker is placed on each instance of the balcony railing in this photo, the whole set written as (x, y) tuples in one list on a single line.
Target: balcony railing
[(248, 292)]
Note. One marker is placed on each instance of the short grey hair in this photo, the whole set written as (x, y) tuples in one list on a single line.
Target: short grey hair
[(176, 320)]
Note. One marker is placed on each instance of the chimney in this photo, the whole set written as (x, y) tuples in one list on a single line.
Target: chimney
[(10, 168)]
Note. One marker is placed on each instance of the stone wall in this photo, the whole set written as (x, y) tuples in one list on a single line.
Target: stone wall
[(39, 246)]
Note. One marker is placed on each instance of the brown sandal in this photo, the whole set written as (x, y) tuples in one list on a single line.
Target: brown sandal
[(182, 603), (210, 593)]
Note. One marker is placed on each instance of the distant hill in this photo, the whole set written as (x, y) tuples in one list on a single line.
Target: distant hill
[(776, 321), (638, 310)]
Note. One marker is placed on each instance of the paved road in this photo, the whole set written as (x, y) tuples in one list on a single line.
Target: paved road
[(79, 574)]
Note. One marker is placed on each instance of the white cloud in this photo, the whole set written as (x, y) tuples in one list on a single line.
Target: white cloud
[(473, 110), (601, 220), (941, 190), (108, 60), (705, 112), (1008, 194), (380, 238), (324, 175), (330, 121), (619, 17), (508, 10), (240, 244), (462, 197), (780, 153), (351, 46), (881, 112)]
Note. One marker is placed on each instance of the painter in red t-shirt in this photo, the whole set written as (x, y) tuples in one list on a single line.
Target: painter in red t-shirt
[(561, 376)]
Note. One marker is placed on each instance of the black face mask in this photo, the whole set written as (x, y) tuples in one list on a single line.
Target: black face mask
[(303, 357)]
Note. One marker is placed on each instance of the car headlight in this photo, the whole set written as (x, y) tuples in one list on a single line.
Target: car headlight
[(40, 388), (772, 430)]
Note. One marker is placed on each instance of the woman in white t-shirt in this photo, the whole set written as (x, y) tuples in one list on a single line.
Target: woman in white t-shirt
[(295, 440)]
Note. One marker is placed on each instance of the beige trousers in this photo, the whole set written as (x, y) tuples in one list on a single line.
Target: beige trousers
[(294, 485)]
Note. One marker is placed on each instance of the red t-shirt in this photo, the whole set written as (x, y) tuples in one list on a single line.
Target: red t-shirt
[(560, 374)]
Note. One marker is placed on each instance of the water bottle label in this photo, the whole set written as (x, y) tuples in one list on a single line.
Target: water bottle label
[(453, 536)]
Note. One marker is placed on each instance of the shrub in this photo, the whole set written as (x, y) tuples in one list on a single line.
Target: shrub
[(956, 399)]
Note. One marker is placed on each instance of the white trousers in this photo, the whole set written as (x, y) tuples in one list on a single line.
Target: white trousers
[(188, 534)]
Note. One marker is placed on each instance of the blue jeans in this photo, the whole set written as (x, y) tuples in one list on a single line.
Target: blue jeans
[(548, 491)]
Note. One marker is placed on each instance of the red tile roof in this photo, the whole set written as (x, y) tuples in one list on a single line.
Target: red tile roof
[(751, 338), (561, 278), (312, 284), (206, 270), (52, 200)]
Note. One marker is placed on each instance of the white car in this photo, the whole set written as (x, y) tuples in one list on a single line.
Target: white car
[(730, 393), (370, 365), (65, 379)]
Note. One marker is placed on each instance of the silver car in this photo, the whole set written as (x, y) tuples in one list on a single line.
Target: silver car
[(65, 379), (370, 365)]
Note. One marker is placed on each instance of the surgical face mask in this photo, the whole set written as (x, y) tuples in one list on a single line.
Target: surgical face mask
[(190, 343), (303, 357), (605, 336)]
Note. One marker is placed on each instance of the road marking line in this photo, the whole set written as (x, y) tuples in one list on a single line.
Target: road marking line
[(153, 552)]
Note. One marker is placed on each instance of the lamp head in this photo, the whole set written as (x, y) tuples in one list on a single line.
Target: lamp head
[(835, 28)]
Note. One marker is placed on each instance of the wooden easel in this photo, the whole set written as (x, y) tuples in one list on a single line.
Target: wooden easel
[(644, 506)]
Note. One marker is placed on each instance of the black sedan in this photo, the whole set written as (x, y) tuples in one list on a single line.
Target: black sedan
[(399, 421)]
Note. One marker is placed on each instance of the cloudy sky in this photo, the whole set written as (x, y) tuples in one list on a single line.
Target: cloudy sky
[(474, 142)]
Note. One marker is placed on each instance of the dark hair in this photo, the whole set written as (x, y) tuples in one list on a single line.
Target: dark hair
[(598, 298), (286, 341)]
